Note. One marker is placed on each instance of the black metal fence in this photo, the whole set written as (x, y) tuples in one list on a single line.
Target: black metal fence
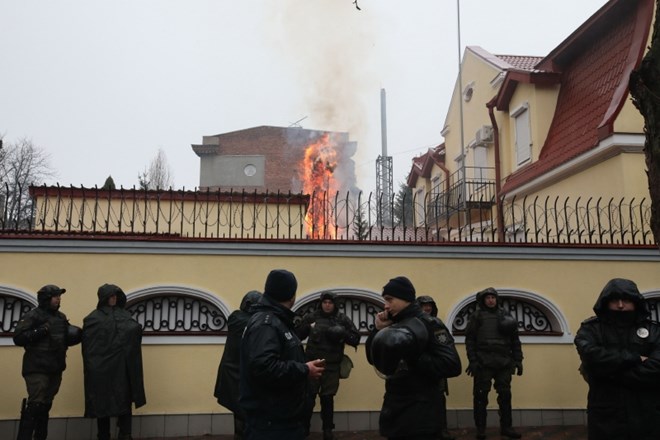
[(335, 217)]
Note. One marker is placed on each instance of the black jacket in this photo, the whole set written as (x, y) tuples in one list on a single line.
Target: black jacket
[(45, 351), (328, 333), (226, 384), (624, 392), (112, 360), (491, 336), (273, 385), (413, 398)]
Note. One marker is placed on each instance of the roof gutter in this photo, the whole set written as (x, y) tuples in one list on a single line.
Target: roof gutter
[(498, 171)]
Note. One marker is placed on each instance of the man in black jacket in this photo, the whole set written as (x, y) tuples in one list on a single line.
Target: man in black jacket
[(429, 307), (274, 373), (415, 352), (328, 331), (226, 384), (112, 360), (620, 353), (494, 353), (45, 334)]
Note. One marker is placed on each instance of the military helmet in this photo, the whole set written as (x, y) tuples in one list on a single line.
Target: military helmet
[(396, 343), (47, 292)]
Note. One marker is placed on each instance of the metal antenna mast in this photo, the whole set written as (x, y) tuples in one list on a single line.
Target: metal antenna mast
[(384, 174)]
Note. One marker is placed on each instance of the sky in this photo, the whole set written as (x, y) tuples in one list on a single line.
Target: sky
[(102, 86)]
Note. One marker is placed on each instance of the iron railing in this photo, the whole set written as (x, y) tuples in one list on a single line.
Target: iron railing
[(336, 217)]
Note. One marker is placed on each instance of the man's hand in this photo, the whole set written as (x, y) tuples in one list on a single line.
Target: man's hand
[(382, 320), (472, 368), (316, 368), (518, 368)]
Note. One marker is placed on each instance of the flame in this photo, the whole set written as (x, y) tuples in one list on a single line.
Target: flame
[(316, 172)]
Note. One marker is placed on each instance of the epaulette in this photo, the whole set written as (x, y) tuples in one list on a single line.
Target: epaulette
[(268, 319), (590, 320), (432, 321)]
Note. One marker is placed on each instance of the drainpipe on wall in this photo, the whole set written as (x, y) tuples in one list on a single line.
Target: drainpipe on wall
[(498, 171)]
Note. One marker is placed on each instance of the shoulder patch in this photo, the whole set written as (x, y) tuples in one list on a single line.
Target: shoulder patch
[(268, 319), (442, 336)]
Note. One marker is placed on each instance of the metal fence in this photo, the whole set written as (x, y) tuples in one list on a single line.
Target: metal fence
[(334, 217)]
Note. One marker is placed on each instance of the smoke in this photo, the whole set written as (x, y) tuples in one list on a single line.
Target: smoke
[(330, 47)]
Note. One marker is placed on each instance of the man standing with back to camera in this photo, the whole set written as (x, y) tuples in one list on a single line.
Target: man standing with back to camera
[(274, 391), (494, 353)]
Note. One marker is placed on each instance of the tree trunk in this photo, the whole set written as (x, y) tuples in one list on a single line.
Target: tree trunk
[(645, 92)]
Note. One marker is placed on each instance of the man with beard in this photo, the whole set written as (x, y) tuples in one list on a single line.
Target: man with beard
[(415, 352), (112, 360), (45, 334), (226, 384), (328, 332), (620, 353)]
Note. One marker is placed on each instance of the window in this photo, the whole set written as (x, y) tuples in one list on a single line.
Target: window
[(419, 202), (166, 313), (523, 138), (539, 320), (13, 305)]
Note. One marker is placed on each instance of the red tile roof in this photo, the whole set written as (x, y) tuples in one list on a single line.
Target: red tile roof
[(521, 62), (423, 164), (595, 63)]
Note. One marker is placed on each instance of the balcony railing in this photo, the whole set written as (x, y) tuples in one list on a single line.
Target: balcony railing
[(195, 215)]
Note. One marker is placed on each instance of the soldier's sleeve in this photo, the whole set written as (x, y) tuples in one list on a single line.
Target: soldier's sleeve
[(26, 331), (440, 358), (353, 335)]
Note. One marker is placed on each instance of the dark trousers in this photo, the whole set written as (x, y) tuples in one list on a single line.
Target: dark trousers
[(124, 423), (483, 379)]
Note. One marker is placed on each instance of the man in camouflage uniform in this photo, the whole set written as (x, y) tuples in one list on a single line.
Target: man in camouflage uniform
[(45, 334)]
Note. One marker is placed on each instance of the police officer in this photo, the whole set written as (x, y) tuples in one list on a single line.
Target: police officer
[(226, 384), (274, 372), (429, 307), (45, 333), (328, 332), (494, 353), (620, 353), (415, 352)]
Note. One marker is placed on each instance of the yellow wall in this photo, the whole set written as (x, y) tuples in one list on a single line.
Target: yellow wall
[(180, 378)]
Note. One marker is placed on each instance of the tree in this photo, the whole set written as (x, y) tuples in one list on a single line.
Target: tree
[(109, 184), (21, 164), (360, 224), (158, 175), (403, 206), (645, 92)]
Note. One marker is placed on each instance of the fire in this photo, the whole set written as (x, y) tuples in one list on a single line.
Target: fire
[(316, 172)]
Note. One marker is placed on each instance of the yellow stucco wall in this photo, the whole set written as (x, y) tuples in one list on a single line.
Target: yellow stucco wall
[(180, 378)]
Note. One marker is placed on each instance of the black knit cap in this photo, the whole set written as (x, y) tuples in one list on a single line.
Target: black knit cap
[(400, 287), (281, 285)]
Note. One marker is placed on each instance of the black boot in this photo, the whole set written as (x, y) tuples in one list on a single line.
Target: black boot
[(26, 425), (41, 411), (506, 420), (444, 433), (480, 405), (327, 416), (125, 424)]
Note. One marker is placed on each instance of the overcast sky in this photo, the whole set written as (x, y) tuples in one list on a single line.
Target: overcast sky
[(101, 86)]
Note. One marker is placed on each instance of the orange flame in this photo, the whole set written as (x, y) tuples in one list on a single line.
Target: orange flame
[(316, 172)]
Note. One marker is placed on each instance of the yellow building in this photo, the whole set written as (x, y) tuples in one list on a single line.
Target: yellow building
[(557, 133)]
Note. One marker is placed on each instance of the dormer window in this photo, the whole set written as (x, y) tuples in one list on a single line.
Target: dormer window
[(523, 137)]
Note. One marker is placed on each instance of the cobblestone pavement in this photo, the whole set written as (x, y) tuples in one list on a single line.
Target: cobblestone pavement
[(528, 433)]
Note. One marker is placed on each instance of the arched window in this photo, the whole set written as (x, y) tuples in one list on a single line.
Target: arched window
[(168, 313), (13, 305), (361, 306), (539, 320), (653, 301)]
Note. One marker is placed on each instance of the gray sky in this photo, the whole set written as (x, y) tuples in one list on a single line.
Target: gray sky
[(102, 85)]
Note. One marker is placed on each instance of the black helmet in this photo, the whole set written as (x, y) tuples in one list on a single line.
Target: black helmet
[(47, 292), (73, 335), (396, 343), (252, 297), (425, 299), (106, 291)]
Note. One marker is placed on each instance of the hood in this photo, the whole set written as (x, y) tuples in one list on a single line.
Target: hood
[(332, 297), (252, 297), (106, 291), (488, 291), (621, 288), (425, 299)]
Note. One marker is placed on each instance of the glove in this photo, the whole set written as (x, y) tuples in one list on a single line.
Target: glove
[(39, 332), (518, 368), (472, 368)]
